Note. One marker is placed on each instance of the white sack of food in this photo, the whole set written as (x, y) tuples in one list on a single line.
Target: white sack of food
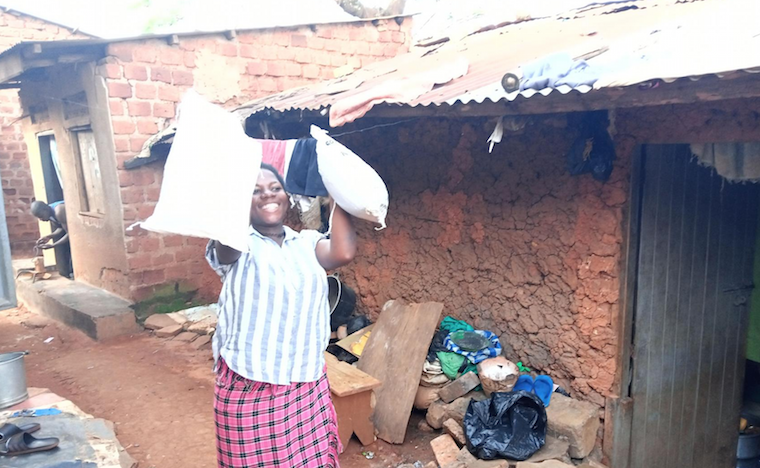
[(351, 182), (209, 176)]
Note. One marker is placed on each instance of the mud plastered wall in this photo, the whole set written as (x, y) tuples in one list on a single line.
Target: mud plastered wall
[(508, 241)]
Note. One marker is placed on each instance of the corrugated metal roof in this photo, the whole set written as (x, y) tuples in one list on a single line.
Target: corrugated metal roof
[(631, 43)]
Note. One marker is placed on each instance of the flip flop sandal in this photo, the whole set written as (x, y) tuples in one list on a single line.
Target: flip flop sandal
[(23, 443), (543, 388), (9, 430)]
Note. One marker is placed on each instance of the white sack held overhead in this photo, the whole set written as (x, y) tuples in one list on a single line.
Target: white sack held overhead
[(351, 182), (209, 177)]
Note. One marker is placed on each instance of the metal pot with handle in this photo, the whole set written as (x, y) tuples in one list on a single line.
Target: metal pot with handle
[(13, 377)]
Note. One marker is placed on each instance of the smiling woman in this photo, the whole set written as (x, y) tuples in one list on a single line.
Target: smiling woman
[(272, 400)]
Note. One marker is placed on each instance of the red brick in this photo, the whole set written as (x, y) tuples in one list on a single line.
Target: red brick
[(341, 33), (281, 38), (135, 72), (392, 25), (152, 276), (138, 108), (376, 49), (338, 60), (140, 261), (322, 58), (110, 70), (171, 56), (298, 40), (120, 90), (257, 68), (304, 56), (315, 43), (123, 127), (286, 53), (249, 51), (121, 50), (182, 78), (268, 52), (164, 109), (356, 33), (362, 48), (187, 44), (131, 195), (267, 84), (249, 37), (143, 177), (333, 45), (276, 69), (152, 193), (311, 71), (149, 244), (385, 36), (144, 211), (186, 254), (163, 259), (131, 246), (116, 106), (228, 49), (136, 143), (371, 34), (189, 59), (145, 53), (121, 143), (147, 127), (390, 50), (169, 93), (161, 74), (399, 37), (325, 32), (145, 91), (173, 241), (293, 69)]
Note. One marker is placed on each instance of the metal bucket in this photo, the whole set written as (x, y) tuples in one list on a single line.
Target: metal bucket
[(13, 378)]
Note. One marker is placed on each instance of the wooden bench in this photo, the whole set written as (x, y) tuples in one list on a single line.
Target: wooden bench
[(352, 397)]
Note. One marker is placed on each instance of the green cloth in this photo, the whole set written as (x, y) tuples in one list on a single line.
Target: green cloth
[(452, 362), (451, 324), (753, 336)]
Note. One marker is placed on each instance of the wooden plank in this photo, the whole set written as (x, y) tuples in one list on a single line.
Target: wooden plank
[(345, 379), (395, 354), (346, 342)]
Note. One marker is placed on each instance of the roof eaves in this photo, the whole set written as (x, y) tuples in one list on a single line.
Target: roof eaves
[(73, 29)]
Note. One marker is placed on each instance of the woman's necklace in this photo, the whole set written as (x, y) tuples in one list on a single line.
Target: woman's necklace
[(279, 235)]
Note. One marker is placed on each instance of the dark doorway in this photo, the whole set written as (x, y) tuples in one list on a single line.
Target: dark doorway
[(694, 280), (51, 174)]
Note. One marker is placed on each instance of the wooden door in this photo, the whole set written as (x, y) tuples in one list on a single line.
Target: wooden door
[(694, 281)]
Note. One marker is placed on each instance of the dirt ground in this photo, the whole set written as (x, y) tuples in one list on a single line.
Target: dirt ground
[(158, 393)]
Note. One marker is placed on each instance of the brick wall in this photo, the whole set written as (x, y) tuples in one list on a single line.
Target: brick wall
[(147, 78), (23, 229)]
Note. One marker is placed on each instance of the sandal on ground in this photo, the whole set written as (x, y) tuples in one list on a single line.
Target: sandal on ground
[(9, 430), (23, 443)]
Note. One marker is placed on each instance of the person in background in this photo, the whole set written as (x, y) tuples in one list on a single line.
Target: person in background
[(55, 213), (272, 405)]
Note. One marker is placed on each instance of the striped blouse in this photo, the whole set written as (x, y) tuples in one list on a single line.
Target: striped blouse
[(274, 317)]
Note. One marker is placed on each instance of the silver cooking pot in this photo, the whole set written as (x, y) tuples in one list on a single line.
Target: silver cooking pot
[(13, 378)]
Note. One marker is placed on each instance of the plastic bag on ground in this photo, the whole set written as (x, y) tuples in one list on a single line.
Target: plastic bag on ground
[(508, 425), (352, 183), (209, 177)]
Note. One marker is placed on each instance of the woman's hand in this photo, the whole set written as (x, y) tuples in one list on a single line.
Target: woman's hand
[(340, 248)]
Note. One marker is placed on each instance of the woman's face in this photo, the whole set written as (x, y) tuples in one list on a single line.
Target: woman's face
[(270, 202)]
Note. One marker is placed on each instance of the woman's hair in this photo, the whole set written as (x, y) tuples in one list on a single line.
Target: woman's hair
[(274, 171)]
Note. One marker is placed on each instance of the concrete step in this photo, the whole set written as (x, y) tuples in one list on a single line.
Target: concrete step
[(98, 313)]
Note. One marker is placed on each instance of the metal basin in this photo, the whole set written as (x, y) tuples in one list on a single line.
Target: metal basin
[(13, 378)]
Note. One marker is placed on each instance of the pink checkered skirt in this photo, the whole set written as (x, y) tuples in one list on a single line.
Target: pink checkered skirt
[(264, 425)]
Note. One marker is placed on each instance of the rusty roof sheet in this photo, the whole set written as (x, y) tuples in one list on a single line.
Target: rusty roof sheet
[(629, 42)]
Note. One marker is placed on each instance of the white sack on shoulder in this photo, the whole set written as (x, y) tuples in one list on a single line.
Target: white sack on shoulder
[(209, 176), (351, 182)]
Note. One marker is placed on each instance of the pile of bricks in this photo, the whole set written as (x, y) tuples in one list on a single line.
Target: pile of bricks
[(195, 326)]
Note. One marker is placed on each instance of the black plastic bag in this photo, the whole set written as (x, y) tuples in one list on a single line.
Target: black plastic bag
[(508, 425), (593, 151)]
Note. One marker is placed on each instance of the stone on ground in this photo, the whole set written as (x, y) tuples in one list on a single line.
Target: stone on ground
[(180, 318), (578, 421), (554, 449), (186, 337), (207, 326), (159, 321), (544, 464), (201, 341), (168, 332), (455, 430), (423, 426), (470, 461), (436, 414), (457, 409), (35, 321), (458, 388), (440, 411), (445, 449)]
